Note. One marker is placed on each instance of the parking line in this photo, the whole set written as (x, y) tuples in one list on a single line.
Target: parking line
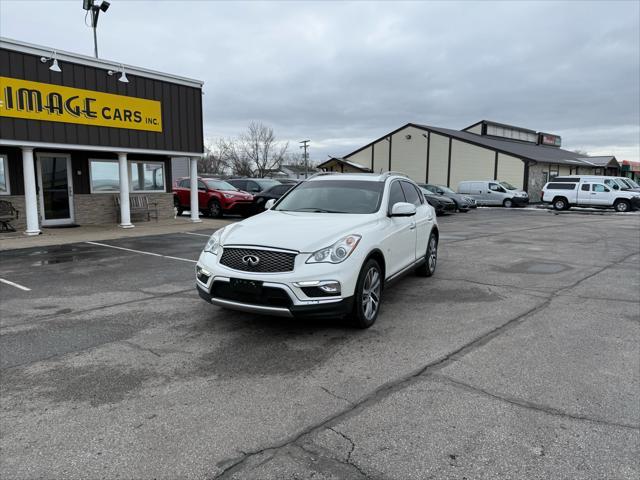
[(199, 234), (17, 285), (142, 252)]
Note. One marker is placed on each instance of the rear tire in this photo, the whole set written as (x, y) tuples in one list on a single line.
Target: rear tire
[(428, 268), (507, 203), (368, 295), (176, 205), (560, 203), (215, 210), (622, 206)]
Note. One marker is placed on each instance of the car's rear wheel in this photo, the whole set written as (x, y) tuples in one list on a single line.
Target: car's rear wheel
[(560, 203), (215, 210), (176, 204), (368, 295), (428, 268)]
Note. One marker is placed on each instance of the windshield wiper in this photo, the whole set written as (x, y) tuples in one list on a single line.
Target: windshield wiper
[(316, 210)]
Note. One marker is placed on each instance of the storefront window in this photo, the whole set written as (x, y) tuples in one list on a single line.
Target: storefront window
[(4, 176), (105, 176), (146, 176)]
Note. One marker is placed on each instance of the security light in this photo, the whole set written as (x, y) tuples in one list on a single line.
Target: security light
[(54, 65), (91, 7), (123, 75), (87, 4), (104, 6)]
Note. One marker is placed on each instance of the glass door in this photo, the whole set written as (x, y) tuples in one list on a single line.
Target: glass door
[(56, 192)]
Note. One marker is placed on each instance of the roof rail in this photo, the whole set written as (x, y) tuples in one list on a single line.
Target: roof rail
[(389, 173), (321, 174)]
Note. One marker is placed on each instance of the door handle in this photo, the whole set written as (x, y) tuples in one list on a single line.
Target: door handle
[(413, 226)]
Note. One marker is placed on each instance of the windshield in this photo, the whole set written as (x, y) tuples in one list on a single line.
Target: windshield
[(507, 185), (333, 196), (632, 183), (626, 183), (445, 189), (219, 185)]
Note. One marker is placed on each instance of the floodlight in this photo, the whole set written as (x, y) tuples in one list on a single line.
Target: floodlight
[(54, 65), (104, 6), (87, 4)]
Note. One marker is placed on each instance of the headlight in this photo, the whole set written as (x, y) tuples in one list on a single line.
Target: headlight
[(213, 244), (228, 195), (336, 253)]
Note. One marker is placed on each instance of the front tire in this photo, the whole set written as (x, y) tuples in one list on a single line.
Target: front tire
[(215, 210), (622, 206), (508, 203), (368, 295), (428, 268)]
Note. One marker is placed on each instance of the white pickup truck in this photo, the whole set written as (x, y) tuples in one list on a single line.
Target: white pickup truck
[(586, 193)]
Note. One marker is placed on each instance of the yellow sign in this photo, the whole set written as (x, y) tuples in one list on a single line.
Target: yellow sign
[(55, 103)]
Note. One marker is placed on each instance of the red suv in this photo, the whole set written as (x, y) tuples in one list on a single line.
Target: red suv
[(215, 197)]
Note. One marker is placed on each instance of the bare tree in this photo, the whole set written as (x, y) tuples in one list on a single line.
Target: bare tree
[(258, 148), (216, 159)]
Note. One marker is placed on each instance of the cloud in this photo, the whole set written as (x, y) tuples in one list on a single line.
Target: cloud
[(344, 73)]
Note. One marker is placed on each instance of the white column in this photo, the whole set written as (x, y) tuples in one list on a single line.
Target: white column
[(125, 215), (30, 197), (195, 212)]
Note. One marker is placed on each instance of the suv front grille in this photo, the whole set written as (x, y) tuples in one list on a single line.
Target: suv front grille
[(268, 260)]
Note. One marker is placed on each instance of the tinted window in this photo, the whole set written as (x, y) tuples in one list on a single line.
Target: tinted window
[(220, 185), (334, 196), (495, 187), (185, 183), (201, 185), (395, 194), (239, 184), (585, 187), (568, 179), (561, 186), (279, 189), (411, 194), (253, 186)]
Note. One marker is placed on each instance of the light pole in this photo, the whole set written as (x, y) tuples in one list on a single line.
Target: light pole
[(305, 145), (90, 6)]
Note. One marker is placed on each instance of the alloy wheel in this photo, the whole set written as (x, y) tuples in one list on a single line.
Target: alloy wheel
[(433, 254), (371, 293)]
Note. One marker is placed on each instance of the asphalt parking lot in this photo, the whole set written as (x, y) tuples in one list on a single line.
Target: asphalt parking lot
[(519, 359)]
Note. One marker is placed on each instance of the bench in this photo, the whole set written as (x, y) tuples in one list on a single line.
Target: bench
[(138, 204), (8, 213)]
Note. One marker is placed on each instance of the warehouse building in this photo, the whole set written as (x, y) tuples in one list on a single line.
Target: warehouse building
[(485, 150), (90, 141)]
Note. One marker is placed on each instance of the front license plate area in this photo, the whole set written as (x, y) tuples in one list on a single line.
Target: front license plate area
[(251, 287)]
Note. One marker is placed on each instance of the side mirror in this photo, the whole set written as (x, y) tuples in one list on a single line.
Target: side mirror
[(269, 205), (616, 187), (403, 209), (440, 192)]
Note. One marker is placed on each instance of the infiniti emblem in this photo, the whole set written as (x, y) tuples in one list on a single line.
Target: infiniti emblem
[(251, 260)]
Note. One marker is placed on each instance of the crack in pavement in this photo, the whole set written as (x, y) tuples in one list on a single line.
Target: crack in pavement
[(527, 404), (140, 347), (231, 466), (336, 396), (350, 452)]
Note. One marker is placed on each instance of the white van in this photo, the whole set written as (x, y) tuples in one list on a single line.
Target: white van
[(493, 192), (564, 194)]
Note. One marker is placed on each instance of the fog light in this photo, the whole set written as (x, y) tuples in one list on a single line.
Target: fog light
[(331, 287)]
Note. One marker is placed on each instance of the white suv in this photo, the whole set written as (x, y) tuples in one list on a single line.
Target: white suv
[(326, 248)]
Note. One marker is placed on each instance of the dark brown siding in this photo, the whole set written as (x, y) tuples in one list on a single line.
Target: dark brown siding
[(181, 108)]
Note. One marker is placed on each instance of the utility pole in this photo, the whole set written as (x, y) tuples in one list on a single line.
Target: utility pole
[(305, 145)]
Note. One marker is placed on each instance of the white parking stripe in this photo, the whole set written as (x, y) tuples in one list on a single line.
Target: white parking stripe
[(17, 285), (199, 234), (142, 252)]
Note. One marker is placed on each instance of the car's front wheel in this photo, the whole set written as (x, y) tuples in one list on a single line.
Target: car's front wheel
[(215, 210), (368, 295)]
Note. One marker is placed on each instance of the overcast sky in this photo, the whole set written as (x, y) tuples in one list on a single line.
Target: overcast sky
[(345, 73)]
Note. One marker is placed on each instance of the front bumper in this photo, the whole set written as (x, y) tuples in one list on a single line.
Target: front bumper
[(280, 294), (635, 203), (239, 206)]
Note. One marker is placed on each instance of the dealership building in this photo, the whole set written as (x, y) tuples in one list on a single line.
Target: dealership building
[(486, 150), (89, 141)]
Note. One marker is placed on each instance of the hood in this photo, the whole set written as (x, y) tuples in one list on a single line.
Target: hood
[(302, 231), (237, 193)]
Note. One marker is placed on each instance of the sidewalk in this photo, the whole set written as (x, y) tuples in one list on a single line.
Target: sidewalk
[(60, 236)]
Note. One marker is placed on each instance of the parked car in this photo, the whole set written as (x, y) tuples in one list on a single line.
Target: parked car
[(493, 192), (463, 202), (275, 192), (253, 185), (288, 181), (327, 248), (215, 197), (564, 195), (440, 203)]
